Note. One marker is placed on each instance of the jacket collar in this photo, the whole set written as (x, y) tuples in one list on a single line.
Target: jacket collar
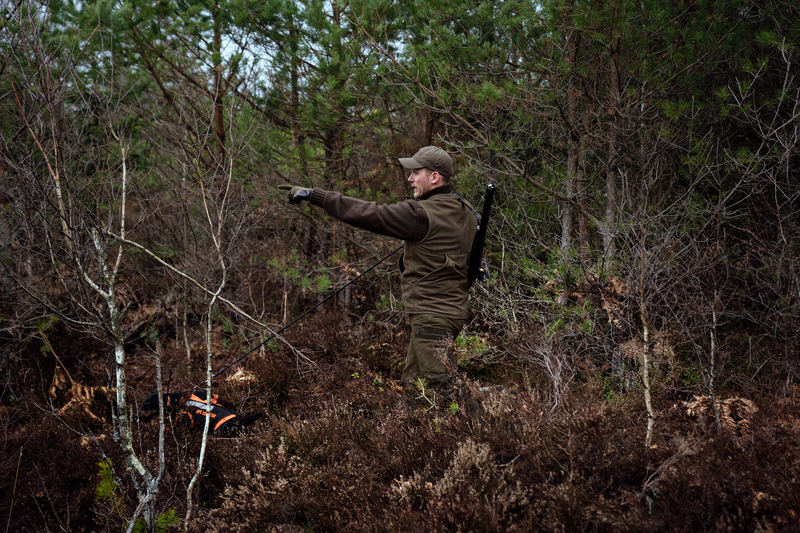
[(441, 189)]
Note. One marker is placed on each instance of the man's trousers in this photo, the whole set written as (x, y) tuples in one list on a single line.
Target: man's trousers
[(431, 353)]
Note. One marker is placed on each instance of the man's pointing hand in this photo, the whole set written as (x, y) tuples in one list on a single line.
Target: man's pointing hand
[(296, 194)]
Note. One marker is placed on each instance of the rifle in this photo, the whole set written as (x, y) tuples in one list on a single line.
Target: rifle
[(474, 269)]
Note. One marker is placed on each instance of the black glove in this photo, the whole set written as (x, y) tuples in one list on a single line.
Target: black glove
[(296, 194)]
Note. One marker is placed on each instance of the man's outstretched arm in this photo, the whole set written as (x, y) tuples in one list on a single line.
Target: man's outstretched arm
[(406, 220)]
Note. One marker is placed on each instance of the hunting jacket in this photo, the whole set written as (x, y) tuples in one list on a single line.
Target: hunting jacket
[(438, 230)]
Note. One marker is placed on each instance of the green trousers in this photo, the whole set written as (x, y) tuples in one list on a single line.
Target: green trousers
[(430, 352)]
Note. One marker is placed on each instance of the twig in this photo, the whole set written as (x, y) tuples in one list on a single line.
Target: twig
[(11, 507), (50, 346)]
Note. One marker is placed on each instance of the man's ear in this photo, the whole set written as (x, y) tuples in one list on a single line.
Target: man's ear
[(435, 177)]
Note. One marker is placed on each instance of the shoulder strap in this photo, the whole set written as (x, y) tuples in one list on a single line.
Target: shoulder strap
[(464, 201)]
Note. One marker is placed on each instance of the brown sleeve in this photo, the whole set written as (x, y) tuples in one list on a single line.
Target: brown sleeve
[(406, 220)]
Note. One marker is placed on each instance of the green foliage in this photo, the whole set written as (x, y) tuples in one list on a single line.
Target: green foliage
[(322, 283), (106, 489), (691, 376), (383, 303), (163, 252), (167, 520), (609, 392), (300, 274), (471, 344), (555, 327), (44, 324)]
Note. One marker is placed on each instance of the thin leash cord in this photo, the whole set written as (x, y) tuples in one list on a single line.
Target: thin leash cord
[(290, 324)]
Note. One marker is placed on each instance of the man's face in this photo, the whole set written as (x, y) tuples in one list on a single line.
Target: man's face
[(423, 180)]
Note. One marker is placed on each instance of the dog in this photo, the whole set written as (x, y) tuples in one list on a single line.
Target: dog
[(172, 402), (191, 408)]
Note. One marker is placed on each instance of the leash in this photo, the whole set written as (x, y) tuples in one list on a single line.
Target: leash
[(290, 324)]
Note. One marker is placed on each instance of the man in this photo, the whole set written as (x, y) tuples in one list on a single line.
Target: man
[(438, 229)]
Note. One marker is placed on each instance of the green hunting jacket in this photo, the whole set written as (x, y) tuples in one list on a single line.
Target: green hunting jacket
[(438, 230)]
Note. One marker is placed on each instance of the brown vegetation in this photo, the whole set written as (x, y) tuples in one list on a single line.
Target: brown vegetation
[(341, 450)]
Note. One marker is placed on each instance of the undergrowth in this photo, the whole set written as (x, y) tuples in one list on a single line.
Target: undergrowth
[(340, 449)]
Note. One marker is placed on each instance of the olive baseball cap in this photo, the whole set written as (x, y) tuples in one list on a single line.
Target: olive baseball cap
[(432, 158)]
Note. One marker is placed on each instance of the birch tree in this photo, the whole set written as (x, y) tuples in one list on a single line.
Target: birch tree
[(74, 268)]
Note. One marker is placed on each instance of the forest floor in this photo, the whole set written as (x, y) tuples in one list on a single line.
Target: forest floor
[(340, 449)]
